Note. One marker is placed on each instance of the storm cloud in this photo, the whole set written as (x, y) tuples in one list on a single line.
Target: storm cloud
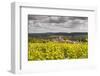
[(44, 23)]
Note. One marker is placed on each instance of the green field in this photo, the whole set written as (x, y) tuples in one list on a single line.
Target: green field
[(57, 50)]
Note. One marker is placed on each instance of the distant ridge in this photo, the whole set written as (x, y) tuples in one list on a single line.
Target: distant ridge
[(59, 33)]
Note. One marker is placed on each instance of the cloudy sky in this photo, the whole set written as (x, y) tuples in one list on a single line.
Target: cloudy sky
[(44, 24)]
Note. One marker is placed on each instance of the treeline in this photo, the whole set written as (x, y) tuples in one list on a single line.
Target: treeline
[(57, 39)]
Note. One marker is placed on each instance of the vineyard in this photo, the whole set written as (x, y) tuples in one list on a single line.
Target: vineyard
[(57, 50)]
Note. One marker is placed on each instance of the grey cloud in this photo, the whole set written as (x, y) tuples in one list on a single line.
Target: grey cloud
[(39, 23)]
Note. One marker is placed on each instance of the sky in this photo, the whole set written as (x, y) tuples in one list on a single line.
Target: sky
[(55, 24)]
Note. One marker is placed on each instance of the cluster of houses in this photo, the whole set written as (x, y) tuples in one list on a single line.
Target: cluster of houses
[(61, 39)]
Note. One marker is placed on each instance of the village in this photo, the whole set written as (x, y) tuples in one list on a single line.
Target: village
[(62, 39)]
